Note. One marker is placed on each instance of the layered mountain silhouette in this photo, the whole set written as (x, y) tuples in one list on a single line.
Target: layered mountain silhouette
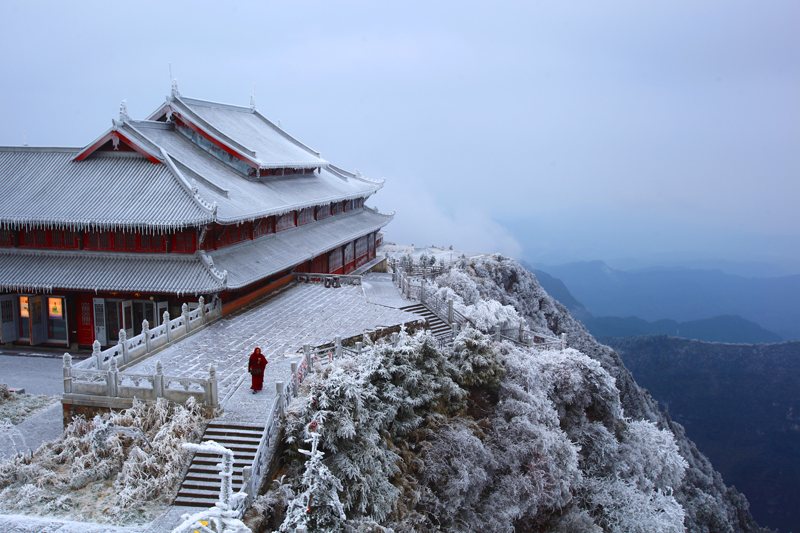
[(701, 304)]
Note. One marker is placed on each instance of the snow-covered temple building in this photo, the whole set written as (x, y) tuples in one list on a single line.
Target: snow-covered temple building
[(201, 198)]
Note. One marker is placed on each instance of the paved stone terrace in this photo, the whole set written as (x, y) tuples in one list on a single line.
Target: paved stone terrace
[(302, 314)]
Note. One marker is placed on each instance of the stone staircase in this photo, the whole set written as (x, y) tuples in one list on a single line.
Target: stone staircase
[(200, 487), (436, 325)]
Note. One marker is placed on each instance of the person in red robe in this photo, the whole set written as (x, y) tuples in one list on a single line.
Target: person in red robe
[(256, 368)]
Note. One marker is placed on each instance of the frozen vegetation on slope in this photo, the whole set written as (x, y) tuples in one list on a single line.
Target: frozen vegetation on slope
[(114, 468), (17, 407), (492, 437)]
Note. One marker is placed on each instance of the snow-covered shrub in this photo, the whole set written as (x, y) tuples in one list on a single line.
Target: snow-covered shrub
[(456, 468), (475, 360), (618, 506), (106, 468), (649, 457)]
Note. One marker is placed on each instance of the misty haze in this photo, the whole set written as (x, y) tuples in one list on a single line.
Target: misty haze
[(513, 267)]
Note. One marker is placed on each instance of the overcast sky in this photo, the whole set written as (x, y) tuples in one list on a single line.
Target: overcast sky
[(655, 132)]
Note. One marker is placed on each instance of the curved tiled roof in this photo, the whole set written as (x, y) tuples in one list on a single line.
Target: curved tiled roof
[(238, 198), (264, 141), (110, 190), (253, 260), (24, 270)]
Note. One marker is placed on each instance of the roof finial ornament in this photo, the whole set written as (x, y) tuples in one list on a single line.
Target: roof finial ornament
[(253, 99), (175, 92), (123, 111)]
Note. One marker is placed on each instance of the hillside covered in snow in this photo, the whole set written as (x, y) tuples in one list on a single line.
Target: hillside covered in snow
[(411, 435)]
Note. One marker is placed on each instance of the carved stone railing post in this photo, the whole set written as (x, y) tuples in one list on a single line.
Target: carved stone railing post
[(111, 378), (165, 321), (123, 345), (308, 357), (98, 356), (158, 380), (563, 341), (146, 335), (67, 373), (454, 325), (185, 314), (247, 474), (337, 347), (359, 347), (211, 390), (279, 387), (295, 378), (521, 333), (202, 302), (450, 311)]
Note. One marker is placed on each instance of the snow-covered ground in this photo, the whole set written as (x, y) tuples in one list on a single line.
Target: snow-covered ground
[(34, 373), (444, 254)]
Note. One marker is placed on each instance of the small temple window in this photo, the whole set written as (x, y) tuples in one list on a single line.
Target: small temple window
[(305, 216), (119, 242), (348, 253), (323, 211), (286, 221), (184, 240), (39, 238), (335, 260), (362, 246)]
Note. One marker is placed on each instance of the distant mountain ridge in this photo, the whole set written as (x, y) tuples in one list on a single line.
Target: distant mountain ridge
[(724, 328), (683, 295), (740, 404)]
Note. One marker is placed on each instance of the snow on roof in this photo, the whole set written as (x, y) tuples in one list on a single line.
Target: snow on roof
[(29, 270), (24, 270), (238, 198), (254, 260), (265, 142), (110, 190)]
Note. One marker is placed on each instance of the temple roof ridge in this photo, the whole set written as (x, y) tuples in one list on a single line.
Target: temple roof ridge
[(252, 109), (44, 149)]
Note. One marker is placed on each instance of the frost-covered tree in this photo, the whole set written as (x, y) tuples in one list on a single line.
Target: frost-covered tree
[(317, 507)]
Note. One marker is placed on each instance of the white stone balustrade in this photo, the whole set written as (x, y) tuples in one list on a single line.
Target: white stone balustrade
[(112, 384), (139, 346)]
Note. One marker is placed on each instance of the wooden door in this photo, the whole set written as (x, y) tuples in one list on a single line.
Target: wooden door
[(8, 318), (38, 317), (85, 324), (100, 334), (127, 317)]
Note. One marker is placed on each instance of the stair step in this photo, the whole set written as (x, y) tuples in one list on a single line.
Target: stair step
[(199, 493), (210, 476), (232, 437), (197, 484), (237, 458), (194, 502), (214, 463), (241, 427), (236, 448)]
